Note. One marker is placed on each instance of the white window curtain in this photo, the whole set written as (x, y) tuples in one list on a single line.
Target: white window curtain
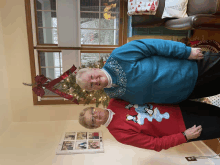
[(68, 23), (68, 26), (70, 57)]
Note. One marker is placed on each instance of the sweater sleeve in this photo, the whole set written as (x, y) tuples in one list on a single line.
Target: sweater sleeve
[(148, 142), (139, 49)]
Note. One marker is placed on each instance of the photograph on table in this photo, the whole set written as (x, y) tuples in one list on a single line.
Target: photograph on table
[(73, 142), (81, 135), (68, 145), (94, 144), (81, 145), (93, 135), (70, 136)]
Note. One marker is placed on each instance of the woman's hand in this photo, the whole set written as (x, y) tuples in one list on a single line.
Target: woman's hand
[(196, 54), (193, 132)]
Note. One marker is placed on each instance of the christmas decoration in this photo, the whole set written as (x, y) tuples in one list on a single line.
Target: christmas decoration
[(107, 14), (65, 86), (70, 87), (42, 83)]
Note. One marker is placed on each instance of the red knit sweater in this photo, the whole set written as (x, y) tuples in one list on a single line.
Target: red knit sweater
[(145, 131)]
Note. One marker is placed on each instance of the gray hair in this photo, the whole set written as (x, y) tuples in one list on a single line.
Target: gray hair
[(79, 79)]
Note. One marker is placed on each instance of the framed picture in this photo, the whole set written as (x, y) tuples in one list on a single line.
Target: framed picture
[(80, 142)]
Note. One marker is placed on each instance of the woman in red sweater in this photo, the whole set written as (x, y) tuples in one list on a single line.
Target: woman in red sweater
[(155, 127)]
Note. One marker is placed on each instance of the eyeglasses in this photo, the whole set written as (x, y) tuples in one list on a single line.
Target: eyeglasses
[(93, 118)]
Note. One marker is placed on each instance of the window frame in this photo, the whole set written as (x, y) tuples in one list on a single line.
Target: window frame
[(119, 30), (36, 25), (39, 63), (34, 46)]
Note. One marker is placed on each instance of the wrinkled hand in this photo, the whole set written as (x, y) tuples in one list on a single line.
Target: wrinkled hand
[(193, 132), (196, 54)]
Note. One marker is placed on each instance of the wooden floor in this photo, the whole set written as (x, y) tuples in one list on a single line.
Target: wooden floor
[(206, 35)]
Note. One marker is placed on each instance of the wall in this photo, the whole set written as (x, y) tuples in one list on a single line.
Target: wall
[(35, 143), (5, 111), (18, 68)]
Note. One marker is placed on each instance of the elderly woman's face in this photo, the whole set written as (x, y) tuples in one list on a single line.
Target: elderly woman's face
[(95, 80), (96, 117)]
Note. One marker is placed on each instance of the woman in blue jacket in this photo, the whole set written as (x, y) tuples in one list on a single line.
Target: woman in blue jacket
[(155, 70)]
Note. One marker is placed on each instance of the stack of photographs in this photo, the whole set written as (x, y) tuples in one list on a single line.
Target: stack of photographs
[(80, 142)]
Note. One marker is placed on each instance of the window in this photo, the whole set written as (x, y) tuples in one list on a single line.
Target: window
[(63, 33), (50, 64), (87, 57), (99, 22), (46, 22)]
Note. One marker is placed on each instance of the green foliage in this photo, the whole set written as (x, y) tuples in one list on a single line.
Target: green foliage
[(69, 86)]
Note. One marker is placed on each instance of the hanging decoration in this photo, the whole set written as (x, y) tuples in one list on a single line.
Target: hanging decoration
[(66, 87), (107, 13)]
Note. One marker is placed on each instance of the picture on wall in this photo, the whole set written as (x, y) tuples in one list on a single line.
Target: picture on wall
[(80, 142)]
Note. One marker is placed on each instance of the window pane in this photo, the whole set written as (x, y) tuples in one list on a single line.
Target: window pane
[(39, 5), (48, 72), (41, 35), (50, 64), (108, 6), (46, 4), (49, 93), (42, 58), (89, 5), (89, 57), (61, 61), (50, 59), (43, 71), (89, 20), (105, 56), (51, 72), (109, 37), (56, 59), (89, 36), (57, 72), (109, 23), (48, 35), (46, 19)]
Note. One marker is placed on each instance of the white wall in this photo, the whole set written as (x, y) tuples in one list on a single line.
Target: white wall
[(35, 143), (5, 110), (18, 69)]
